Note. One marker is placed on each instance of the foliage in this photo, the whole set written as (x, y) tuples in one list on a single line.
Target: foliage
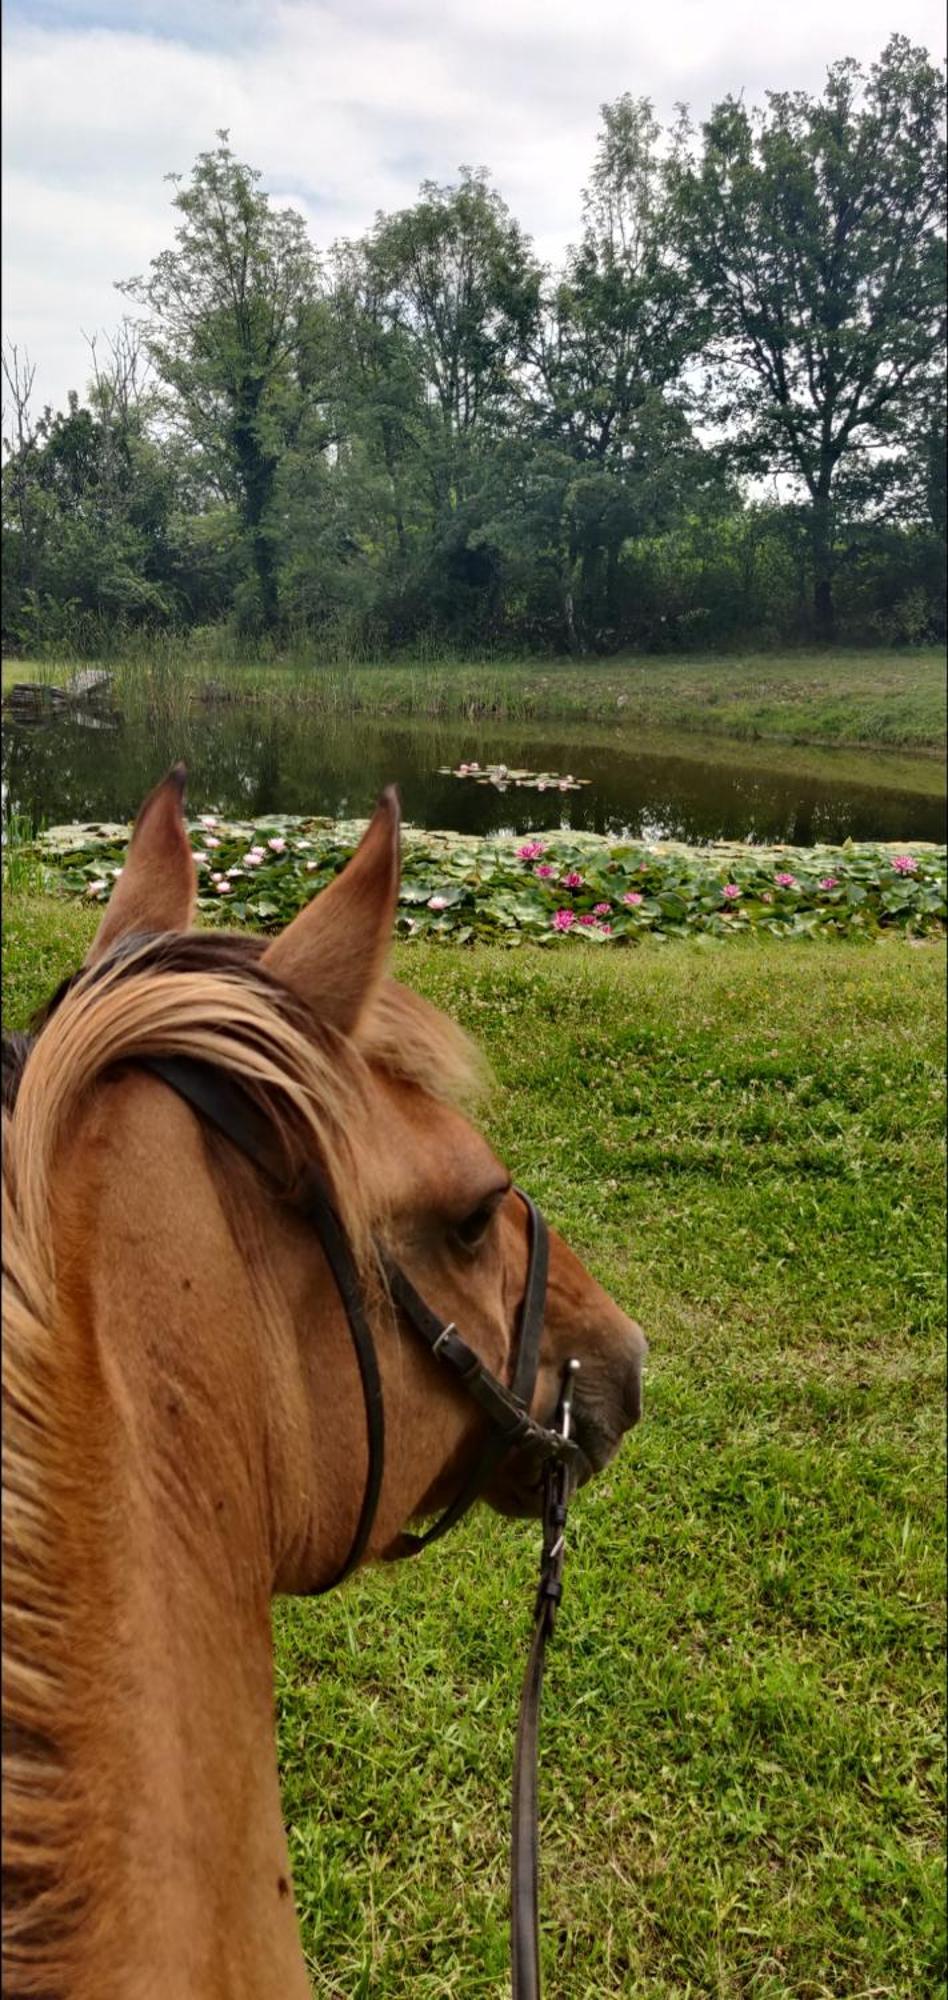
[(427, 440), (231, 323), (814, 231), (742, 1746), (553, 891)]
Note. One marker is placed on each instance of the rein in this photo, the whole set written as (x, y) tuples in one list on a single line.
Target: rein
[(225, 1105)]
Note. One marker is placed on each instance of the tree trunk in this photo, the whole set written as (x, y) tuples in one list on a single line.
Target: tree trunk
[(824, 610), (257, 478)]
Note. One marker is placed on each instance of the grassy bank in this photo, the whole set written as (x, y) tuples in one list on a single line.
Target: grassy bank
[(893, 698), (742, 1748)]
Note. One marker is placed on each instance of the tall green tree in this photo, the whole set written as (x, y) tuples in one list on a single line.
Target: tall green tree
[(455, 288), (622, 321), (814, 233), (458, 274), (227, 312), (618, 329)]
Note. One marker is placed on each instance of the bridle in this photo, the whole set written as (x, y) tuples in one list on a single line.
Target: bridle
[(221, 1103)]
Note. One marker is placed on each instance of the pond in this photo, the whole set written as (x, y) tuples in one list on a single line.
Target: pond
[(244, 761)]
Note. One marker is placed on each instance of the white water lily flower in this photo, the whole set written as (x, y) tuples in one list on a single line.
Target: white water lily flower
[(96, 888)]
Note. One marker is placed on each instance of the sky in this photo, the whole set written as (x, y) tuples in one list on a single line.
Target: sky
[(345, 107)]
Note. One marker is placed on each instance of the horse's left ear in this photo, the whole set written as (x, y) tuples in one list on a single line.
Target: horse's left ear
[(157, 889), (334, 954)]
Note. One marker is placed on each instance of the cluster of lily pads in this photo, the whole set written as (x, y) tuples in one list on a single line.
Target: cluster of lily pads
[(552, 889), (502, 776)]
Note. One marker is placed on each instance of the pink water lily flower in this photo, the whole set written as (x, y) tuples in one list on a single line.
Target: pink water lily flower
[(437, 902), (96, 888), (632, 896), (529, 849), (222, 888), (829, 882), (209, 841), (904, 864), (563, 920), (731, 891), (544, 870), (572, 880), (601, 909), (277, 844), (208, 819), (785, 881)]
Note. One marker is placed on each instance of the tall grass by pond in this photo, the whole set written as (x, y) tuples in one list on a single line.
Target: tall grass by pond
[(742, 1746), (896, 698)]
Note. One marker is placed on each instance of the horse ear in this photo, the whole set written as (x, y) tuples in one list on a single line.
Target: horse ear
[(333, 955), (157, 888)]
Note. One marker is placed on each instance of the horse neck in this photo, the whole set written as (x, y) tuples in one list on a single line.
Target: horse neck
[(167, 1572)]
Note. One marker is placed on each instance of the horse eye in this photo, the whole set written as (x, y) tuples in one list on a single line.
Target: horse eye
[(475, 1225)]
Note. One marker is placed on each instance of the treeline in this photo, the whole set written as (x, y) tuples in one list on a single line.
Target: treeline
[(722, 421)]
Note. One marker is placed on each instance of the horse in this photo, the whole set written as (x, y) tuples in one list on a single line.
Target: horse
[(188, 1424)]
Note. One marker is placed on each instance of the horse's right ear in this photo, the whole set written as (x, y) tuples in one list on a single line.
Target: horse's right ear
[(334, 954), (157, 888)]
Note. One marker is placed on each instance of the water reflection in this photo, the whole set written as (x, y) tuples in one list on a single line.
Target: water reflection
[(243, 762)]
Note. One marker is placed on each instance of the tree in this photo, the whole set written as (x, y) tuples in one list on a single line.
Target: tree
[(621, 323), (23, 512), (813, 231), (226, 312), (456, 274), (615, 338)]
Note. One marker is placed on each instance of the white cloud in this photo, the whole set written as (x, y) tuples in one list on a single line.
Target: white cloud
[(345, 108)]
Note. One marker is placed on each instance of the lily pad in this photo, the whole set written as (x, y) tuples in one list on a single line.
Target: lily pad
[(462, 888)]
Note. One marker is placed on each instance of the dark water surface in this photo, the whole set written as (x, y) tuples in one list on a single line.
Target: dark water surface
[(243, 761)]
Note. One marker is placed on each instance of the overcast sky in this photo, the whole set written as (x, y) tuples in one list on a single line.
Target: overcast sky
[(345, 107)]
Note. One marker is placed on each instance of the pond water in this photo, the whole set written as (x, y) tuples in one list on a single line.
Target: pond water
[(243, 761)]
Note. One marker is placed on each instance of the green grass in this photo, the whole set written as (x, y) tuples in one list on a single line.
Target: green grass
[(887, 697), (742, 1748)]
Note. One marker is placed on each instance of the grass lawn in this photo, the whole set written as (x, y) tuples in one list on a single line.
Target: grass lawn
[(741, 1748), (893, 697)]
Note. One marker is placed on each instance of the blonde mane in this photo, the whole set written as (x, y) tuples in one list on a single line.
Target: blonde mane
[(201, 996)]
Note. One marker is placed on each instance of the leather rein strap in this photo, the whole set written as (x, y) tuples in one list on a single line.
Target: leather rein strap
[(223, 1104)]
